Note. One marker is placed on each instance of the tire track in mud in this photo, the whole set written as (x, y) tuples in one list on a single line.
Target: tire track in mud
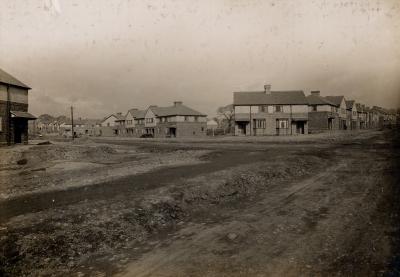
[(158, 261)]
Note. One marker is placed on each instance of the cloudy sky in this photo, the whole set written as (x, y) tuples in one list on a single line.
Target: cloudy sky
[(106, 56)]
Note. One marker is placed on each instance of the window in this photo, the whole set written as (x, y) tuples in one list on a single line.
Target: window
[(202, 129), (314, 108), (263, 108), (282, 124), (1, 124), (186, 118), (196, 119), (278, 109), (149, 120), (108, 124), (259, 123)]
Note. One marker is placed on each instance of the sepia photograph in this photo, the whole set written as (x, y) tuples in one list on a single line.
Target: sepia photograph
[(176, 138)]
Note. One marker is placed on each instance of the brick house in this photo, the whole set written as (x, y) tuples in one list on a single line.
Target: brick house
[(109, 125), (352, 114), (173, 121), (340, 103), (323, 114), (362, 116), (132, 121), (259, 113), (14, 114)]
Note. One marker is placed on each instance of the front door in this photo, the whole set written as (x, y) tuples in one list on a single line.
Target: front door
[(19, 129), (300, 127)]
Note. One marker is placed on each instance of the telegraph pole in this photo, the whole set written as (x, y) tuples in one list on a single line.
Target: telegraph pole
[(72, 121)]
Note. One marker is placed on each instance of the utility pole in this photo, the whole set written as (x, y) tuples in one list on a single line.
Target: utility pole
[(72, 121)]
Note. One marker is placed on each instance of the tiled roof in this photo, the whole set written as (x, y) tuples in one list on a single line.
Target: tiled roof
[(119, 117), (349, 104), (319, 100), (178, 109), (11, 80), (337, 100), (293, 97), (137, 113)]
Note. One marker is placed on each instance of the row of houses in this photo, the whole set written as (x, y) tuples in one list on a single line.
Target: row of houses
[(177, 120), (257, 113), (270, 112)]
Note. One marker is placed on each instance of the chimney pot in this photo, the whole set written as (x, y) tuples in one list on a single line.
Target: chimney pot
[(176, 103), (267, 88), (316, 93)]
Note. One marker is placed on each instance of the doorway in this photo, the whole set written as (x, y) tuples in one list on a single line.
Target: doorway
[(300, 127), (19, 130), (172, 132)]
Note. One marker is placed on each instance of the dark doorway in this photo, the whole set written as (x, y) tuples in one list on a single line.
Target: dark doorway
[(20, 128), (242, 127), (330, 123), (300, 127), (172, 132)]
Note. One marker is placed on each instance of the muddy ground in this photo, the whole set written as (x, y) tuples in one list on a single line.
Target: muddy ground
[(305, 207)]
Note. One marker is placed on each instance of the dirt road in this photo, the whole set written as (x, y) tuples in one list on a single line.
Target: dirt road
[(262, 209)]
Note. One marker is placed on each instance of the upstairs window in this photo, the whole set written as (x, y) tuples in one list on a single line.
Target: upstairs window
[(314, 108), (186, 118), (278, 109)]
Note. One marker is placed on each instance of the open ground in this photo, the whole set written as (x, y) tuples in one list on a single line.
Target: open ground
[(324, 205)]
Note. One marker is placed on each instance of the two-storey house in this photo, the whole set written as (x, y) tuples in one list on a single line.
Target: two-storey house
[(340, 103), (267, 112), (177, 120), (14, 114), (132, 120), (322, 113), (352, 114)]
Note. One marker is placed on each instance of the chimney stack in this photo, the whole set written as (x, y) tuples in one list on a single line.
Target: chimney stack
[(177, 103), (315, 93), (267, 88)]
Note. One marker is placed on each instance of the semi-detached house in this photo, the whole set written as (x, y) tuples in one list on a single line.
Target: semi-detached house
[(14, 114), (267, 112), (323, 114), (177, 120)]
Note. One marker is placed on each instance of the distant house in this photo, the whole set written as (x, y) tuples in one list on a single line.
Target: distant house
[(14, 114), (267, 112), (352, 114), (131, 121), (120, 124), (323, 114), (177, 120), (340, 103), (212, 126), (110, 125), (362, 116)]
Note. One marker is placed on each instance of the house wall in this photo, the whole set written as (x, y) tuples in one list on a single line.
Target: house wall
[(7, 124), (298, 112), (110, 120), (129, 118)]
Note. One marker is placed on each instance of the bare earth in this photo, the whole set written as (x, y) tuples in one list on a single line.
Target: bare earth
[(323, 205)]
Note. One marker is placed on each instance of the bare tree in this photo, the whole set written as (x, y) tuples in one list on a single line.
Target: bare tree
[(226, 115)]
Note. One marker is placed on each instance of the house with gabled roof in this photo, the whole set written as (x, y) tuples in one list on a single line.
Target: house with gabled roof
[(352, 114), (361, 116), (259, 113), (340, 103), (132, 120), (323, 114), (177, 120), (14, 114)]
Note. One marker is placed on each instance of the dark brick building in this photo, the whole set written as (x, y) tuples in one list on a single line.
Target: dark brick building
[(14, 114)]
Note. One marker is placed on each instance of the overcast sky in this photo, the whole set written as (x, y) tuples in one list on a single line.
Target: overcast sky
[(106, 56)]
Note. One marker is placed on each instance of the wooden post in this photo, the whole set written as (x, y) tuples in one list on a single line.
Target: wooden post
[(72, 122), (8, 111)]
